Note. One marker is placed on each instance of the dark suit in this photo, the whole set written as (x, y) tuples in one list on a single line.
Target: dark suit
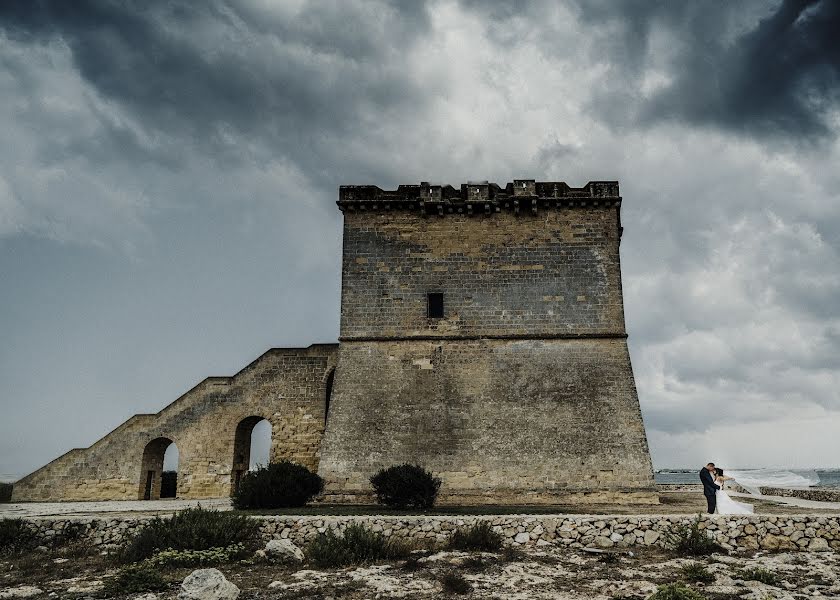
[(709, 488)]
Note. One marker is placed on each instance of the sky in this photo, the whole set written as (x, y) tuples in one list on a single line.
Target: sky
[(169, 172)]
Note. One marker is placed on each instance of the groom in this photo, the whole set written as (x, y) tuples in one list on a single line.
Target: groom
[(709, 486)]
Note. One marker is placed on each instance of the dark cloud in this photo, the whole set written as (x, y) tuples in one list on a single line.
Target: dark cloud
[(777, 77), (213, 72)]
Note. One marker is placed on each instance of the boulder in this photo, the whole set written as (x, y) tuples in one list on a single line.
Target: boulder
[(650, 537), (283, 551), (522, 538), (819, 545), (207, 584)]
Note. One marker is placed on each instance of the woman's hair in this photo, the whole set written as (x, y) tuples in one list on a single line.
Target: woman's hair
[(719, 471)]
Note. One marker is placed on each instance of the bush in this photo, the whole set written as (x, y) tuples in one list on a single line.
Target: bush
[(690, 540), (277, 485), (454, 583), (762, 575), (135, 579), (6, 492), (195, 558), (192, 529), (696, 572), (358, 545), (16, 536), (675, 591), (479, 536), (405, 486)]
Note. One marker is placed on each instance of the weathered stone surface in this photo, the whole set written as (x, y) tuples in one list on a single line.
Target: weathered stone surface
[(207, 584), (283, 550), (21, 591)]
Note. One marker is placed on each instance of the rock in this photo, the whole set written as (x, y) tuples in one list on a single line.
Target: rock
[(616, 537), (283, 551), (603, 542), (521, 538), (207, 584), (651, 536), (22, 591), (819, 545), (149, 596)]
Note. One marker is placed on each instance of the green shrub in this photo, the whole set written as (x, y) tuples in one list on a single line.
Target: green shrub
[(762, 575), (135, 579), (479, 536), (196, 558), (6, 492), (357, 545), (192, 529), (454, 583), (405, 486), (675, 591), (16, 536), (696, 572), (690, 540), (277, 485)]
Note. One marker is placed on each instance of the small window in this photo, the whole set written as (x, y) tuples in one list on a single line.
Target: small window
[(436, 305)]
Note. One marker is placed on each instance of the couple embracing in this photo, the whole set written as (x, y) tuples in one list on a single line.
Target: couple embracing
[(718, 500)]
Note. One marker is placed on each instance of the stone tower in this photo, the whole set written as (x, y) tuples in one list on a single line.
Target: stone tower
[(482, 336)]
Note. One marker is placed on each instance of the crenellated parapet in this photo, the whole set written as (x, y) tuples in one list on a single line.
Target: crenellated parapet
[(479, 197)]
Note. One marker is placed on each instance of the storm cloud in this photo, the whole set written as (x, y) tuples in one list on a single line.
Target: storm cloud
[(168, 181)]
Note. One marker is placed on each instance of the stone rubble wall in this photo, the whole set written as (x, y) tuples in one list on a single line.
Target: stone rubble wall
[(818, 494), (752, 532)]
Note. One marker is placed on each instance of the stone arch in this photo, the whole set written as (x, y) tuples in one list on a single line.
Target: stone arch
[(242, 448), (328, 396), (151, 468)]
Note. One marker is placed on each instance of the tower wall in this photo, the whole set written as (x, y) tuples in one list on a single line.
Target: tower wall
[(523, 391)]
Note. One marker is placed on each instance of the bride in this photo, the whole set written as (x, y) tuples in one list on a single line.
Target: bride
[(725, 504)]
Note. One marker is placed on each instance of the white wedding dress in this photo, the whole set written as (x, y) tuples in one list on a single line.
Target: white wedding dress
[(728, 506)]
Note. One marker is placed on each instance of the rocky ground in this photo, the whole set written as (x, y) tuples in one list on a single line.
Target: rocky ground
[(521, 574)]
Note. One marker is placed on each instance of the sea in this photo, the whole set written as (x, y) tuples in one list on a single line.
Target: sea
[(785, 478)]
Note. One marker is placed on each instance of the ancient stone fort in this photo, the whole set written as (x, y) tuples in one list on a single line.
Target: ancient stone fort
[(482, 336)]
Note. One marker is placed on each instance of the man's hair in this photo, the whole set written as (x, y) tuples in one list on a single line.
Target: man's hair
[(710, 465)]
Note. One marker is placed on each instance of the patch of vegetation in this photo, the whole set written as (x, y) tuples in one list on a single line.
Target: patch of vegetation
[(16, 536), (691, 540), (608, 558), (195, 558), (406, 486), (277, 485), (454, 583), (675, 591), (356, 546), (511, 554), (476, 563), (135, 579), (479, 536), (696, 572), (192, 529), (6, 492), (757, 574)]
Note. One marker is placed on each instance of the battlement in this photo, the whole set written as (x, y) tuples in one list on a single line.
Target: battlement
[(477, 197)]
